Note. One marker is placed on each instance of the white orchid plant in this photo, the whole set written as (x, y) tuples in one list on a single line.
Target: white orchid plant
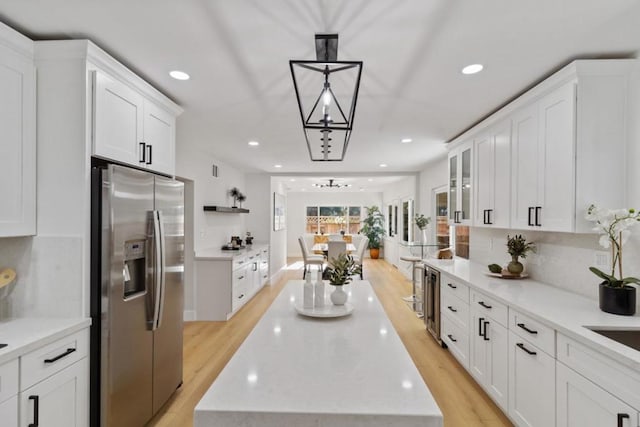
[(614, 226)]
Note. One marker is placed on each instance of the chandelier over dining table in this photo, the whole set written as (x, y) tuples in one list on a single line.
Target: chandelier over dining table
[(327, 93)]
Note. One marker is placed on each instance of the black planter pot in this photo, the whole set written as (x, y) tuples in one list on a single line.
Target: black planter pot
[(618, 300)]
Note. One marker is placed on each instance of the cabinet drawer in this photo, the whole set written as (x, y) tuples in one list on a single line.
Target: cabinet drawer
[(540, 335), (239, 294), (455, 309), (617, 379), (489, 307), (454, 287), (239, 262), (9, 379), (46, 361), (457, 340)]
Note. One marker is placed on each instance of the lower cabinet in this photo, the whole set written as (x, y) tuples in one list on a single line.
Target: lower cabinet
[(58, 401), (9, 412), (582, 403), (531, 384)]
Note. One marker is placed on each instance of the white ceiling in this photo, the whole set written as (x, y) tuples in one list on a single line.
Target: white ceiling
[(237, 54)]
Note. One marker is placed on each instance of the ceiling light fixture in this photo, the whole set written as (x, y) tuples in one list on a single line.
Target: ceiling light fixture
[(406, 140), (472, 69), (179, 75), (383, 165), (277, 166), (331, 185), (254, 143), (315, 109)]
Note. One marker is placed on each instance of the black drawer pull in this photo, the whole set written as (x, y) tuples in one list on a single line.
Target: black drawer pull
[(60, 356), (521, 345), (484, 334), (482, 303), (480, 319), (529, 221), (538, 209), (452, 309), (521, 325), (452, 286), (241, 296), (452, 338), (241, 277), (36, 410), (143, 152), (150, 153), (621, 418)]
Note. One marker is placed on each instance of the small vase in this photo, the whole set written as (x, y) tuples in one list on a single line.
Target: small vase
[(424, 236), (318, 291), (338, 296), (619, 300), (515, 267)]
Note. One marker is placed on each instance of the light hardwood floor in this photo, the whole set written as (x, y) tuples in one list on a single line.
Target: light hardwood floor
[(208, 346)]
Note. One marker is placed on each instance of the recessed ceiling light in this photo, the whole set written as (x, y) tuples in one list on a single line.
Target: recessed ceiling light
[(277, 166), (370, 180), (383, 165), (179, 75), (472, 69), (406, 140), (292, 180), (254, 143)]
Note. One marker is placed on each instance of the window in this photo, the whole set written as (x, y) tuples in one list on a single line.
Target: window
[(333, 219)]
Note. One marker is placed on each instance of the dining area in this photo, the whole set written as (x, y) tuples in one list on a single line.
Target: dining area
[(319, 249)]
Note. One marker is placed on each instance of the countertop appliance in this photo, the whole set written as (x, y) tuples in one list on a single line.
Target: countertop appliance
[(432, 301), (137, 264)]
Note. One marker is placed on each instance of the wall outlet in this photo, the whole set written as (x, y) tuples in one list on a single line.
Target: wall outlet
[(601, 259)]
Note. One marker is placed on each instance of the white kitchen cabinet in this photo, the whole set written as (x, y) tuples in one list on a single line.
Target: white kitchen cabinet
[(18, 132), (264, 266), (61, 400), (543, 162), (454, 318), (581, 403), (491, 182), (460, 185), (531, 384), (9, 412), (131, 129)]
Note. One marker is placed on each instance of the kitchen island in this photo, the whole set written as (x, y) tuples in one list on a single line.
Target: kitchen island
[(303, 371)]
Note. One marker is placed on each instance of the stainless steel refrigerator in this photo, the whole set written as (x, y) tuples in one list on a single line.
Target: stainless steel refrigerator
[(136, 294)]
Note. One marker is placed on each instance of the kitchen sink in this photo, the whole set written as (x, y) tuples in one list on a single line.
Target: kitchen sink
[(628, 337)]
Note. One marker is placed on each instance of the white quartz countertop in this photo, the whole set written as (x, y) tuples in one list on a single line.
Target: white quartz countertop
[(225, 255), (564, 311), (296, 370), (24, 335)]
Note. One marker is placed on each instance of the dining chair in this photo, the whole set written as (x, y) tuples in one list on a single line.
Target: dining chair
[(309, 260), (359, 255), (336, 248)]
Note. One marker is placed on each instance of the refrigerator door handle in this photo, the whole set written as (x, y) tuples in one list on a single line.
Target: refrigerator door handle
[(162, 269), (157, 273)]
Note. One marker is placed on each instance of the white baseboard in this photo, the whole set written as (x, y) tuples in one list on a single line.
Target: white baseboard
[(189, 315)]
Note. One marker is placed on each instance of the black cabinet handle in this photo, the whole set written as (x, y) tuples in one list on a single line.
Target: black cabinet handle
[(482, 303), (452, 286), (529, 221), (241, 296), (480, 319), (484, 216), (452, 338), (531, 331), (36, 410), (150, 152), (484, 334), (143, 152), (452, 309), (621, 418), (538, 209), (489, 213), (521, 345), (60, 356)]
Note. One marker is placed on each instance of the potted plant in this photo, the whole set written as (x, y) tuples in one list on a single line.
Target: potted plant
[(373, 228), (339, 273), (615, 294), (517, 246), (422, 222)]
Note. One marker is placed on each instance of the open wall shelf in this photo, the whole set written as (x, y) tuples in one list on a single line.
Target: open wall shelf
[(226, 209)]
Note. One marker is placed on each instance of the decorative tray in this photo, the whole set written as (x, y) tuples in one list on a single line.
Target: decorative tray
[(508, 276), (329, 310)]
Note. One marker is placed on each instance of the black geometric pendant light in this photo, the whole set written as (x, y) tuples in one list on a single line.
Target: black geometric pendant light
[(327, 92)]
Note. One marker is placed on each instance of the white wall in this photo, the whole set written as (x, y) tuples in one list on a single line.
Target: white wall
[(396, 193), (298, 201), (279, 246)]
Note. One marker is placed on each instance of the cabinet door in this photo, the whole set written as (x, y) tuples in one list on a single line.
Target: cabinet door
[(240, 287), (264, 268), (18, 146), (460, 188), (524, 163), (465, 185), (556, 161), (159, 137), (58, 401), (497, 379), (531, 384), (117, 121), (582, 403), (501, 137), (484, 180), (478, 349), (453, 187), (9, 412)]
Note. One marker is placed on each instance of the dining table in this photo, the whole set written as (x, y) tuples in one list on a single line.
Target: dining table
[(324, 248)]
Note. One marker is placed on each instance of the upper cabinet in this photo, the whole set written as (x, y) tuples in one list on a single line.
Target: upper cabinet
[(460, 187), (538, 161), (129, 128), (17, 128)]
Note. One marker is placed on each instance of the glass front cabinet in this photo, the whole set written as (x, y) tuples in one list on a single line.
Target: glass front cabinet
[(460, 185)]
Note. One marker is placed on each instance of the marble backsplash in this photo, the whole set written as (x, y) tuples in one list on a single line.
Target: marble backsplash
[(49, 276), (561, 260)]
